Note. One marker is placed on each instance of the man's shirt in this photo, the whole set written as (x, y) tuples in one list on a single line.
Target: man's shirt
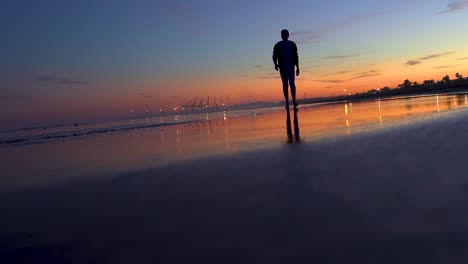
[(286, 54)]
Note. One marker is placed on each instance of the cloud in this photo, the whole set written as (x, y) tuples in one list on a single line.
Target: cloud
[(271, 75), (366, 75), (59, 80), (330, 81), (445, 66), (306, 69), (258, 66), (306, 37), (465, 58), (432, 56), (342, 72), (428, 57), (455, 5), (369, 72), (413, 62), (332, 86), (339, 57), (336, 73)]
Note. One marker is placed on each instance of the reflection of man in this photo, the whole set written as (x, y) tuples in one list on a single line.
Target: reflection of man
[(285, 58)]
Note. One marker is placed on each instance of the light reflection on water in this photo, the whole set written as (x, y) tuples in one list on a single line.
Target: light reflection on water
[(213, 134)]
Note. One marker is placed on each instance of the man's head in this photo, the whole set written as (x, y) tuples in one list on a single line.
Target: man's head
[(284, 34)]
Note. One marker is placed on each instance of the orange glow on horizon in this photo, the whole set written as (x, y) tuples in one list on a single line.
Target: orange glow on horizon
[(319, 82)]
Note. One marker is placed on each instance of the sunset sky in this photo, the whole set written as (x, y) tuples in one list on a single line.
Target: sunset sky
[(74, 61)]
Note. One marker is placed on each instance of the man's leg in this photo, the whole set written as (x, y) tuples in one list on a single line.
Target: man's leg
[(284, 78), (293, 86)]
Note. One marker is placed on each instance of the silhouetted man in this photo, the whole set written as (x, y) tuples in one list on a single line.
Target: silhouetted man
[(285, 58)]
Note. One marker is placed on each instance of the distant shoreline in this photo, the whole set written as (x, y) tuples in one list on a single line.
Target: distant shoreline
[(260, 105), (360, 97), (334, 99)]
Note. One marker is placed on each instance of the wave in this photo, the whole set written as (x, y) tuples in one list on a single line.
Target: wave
[(79, 133)]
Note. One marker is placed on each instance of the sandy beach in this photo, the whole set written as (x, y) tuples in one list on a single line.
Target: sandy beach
[(396, 195)]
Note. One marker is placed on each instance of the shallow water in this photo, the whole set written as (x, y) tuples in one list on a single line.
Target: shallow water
[(139, 144)]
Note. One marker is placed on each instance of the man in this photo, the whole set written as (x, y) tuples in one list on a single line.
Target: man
[(285, 58)]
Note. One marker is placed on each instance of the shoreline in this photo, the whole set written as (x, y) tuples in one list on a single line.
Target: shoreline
[(381, 190)]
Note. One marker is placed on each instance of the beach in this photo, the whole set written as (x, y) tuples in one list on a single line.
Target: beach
[(396, 194)]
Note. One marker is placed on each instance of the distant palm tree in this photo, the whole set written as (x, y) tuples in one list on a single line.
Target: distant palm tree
[(406, 84), (446, 79), (429, 82)]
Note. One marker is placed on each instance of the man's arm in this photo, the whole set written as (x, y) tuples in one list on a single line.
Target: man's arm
[(275, 57), (296, 60)]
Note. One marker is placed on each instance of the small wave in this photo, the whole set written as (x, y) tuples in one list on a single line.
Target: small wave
[(31, 128), (68, 134)]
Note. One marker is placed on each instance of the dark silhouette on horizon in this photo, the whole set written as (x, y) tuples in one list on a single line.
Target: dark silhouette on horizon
[(286, 58), (407, 87)]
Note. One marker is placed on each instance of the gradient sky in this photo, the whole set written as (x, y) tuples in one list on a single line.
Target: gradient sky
[(74, 61)]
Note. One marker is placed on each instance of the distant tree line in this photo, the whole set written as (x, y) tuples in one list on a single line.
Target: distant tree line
[(460, 83)]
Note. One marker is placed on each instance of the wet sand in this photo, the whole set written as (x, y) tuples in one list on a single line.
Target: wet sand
[(397, 195), (155, 142)]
